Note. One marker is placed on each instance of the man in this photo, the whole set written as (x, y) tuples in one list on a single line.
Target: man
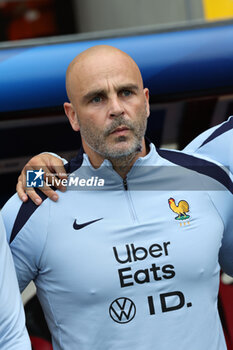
[(132, 264), (13, 334)]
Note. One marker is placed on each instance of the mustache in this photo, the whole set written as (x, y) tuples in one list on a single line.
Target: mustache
[(117, 123)]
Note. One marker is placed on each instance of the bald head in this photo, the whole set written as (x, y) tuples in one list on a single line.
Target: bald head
[(98, 61), (106, 93)]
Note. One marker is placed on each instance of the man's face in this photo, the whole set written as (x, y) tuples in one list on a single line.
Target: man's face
[(111, 106)]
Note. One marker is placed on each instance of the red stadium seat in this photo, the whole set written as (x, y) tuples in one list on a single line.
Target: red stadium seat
[(225, 309), (40, 344)]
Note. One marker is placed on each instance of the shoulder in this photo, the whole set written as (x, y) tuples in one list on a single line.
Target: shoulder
[(215, 143), (27, 230), (198, 171), (211, 136), (18, 215)]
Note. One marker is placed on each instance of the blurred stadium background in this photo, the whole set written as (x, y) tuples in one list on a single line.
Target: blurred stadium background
[(184, 49)]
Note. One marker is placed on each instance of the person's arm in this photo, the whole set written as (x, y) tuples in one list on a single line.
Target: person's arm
[(223, 202), (26, 230), (216, 144), (51, 164), (13, 333)]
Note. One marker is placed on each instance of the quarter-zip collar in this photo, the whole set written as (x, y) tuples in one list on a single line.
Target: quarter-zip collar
[(149, 160)]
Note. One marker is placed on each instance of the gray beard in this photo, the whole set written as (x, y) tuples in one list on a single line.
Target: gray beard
[(117, 157)]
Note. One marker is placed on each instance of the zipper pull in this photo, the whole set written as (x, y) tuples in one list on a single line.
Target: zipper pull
[(125, 184)]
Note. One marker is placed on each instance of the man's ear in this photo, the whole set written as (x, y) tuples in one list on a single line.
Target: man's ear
[(71, 114), (146, 93)]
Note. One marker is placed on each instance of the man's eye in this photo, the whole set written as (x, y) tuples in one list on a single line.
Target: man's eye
[(96, 99), (126, 93)]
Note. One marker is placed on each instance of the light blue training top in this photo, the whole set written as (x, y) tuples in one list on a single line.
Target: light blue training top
[(13, 334), (132, 264), (217, 143)]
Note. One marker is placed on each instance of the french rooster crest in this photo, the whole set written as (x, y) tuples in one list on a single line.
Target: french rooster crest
[(181, 209)]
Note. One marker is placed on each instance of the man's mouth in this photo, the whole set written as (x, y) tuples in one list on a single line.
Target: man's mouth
[(121, 130)]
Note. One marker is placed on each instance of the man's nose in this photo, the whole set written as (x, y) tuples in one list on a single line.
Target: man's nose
[(115, 107)]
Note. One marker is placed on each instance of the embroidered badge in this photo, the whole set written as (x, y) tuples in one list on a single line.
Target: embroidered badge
[(181, 209)]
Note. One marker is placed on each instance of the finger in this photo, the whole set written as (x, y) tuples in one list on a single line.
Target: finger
[(49, 164), (30, 191), (55, 181), (49, 192), (21, 190), (48, 180), (60, 170), (57, 167), (34, 196), (54, 171)]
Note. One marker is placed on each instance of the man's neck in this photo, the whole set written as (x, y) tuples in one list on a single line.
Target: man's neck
[(121, 165)]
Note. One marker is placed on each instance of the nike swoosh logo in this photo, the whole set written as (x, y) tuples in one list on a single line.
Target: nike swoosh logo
[(79, 226)]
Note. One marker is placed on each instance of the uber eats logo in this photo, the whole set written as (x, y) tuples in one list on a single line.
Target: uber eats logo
[(128, 276), (123, 310)]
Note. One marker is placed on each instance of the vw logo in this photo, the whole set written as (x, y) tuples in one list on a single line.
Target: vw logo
[(122, 310)]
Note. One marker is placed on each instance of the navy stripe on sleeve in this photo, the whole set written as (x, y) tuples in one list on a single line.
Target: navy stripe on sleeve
[(199, 165), (25, 211), (75, 163), (219, 131)]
